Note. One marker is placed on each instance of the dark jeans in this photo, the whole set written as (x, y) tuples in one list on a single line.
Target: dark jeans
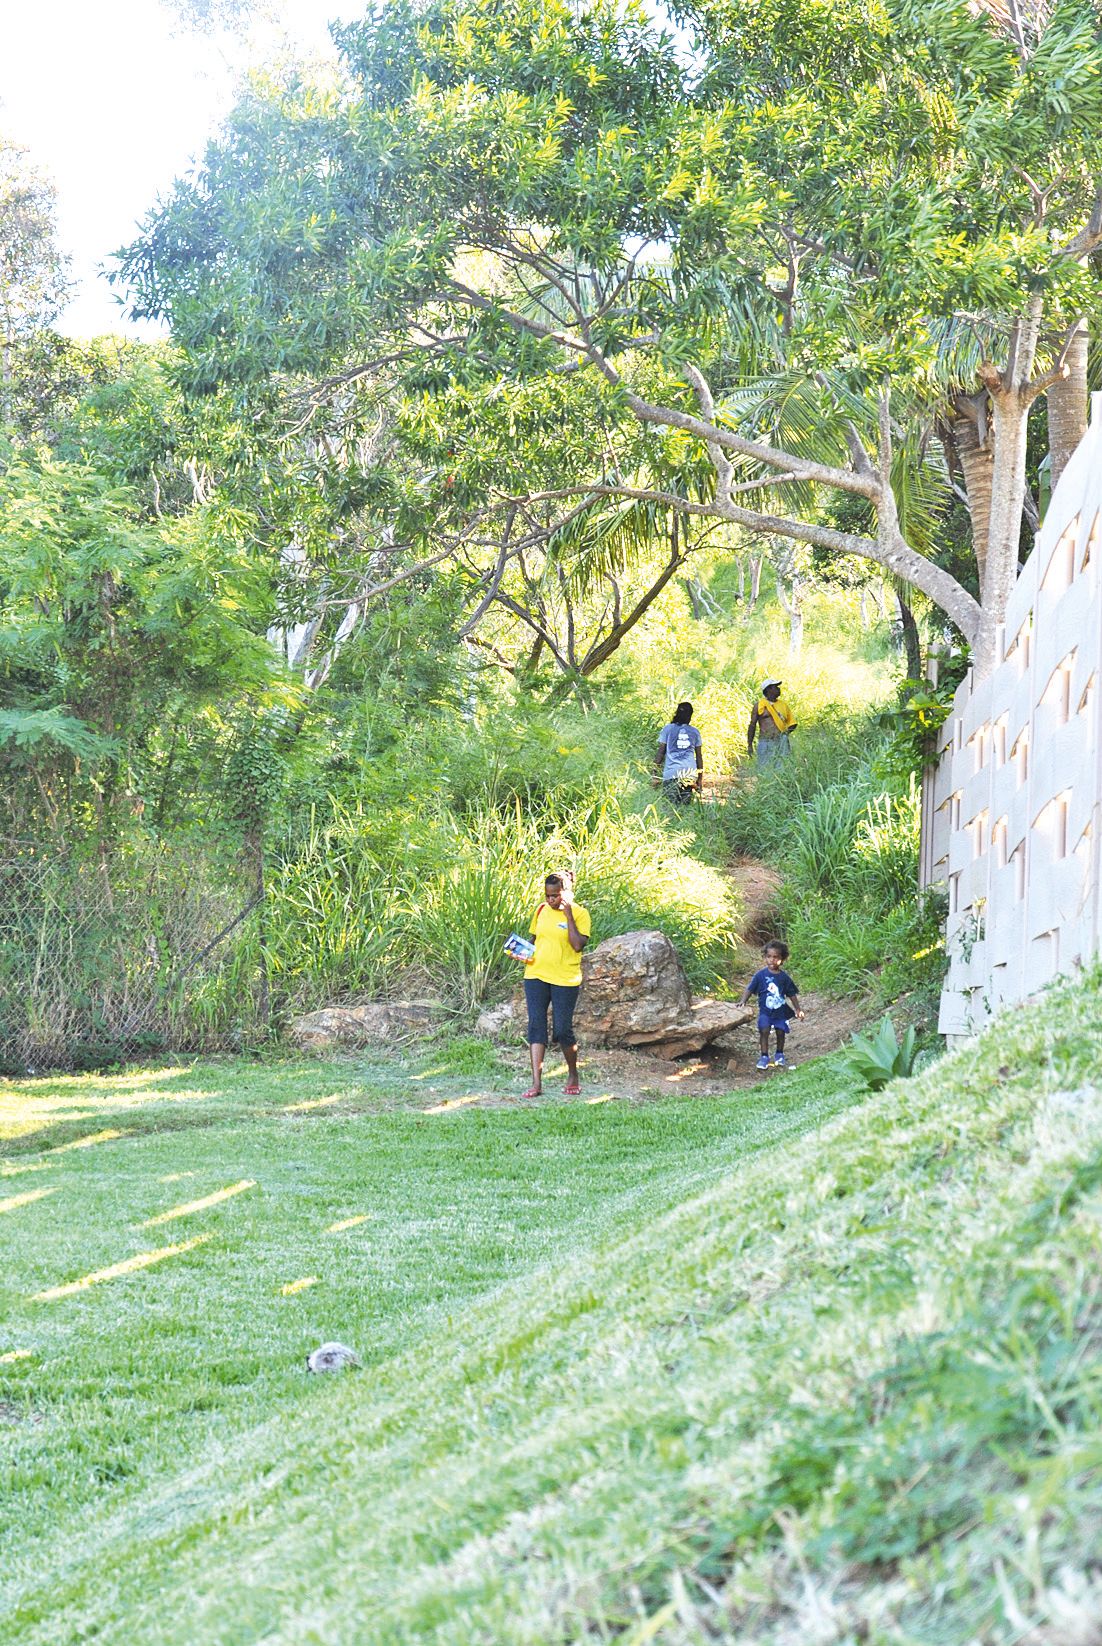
[(681, 794), (561, 997)]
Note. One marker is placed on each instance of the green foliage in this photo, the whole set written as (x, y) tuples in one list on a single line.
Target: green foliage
[(879, 212), (881, 1057), (429, 895), (120, 641), (912, 728), (33, 269), (843, 831)]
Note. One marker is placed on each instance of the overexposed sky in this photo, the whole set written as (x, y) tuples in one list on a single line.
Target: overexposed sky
[(113, 105)]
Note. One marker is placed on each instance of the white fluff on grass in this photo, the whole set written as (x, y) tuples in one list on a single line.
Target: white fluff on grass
[(332, 1357)]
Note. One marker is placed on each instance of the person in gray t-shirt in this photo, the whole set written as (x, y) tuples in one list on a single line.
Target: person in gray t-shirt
[(680, 761)]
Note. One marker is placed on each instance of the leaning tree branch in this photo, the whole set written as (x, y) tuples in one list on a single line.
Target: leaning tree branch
[(1059, 368), (493, 582), (600, 651), (893, 552), (1089, 237), (660, 416)]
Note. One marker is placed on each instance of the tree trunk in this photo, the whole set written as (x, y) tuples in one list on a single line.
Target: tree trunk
[(694, 597), (740, 566), (254, 850), (756, 563), (1012, 393), (972, 437), (1067, 406), (912, 645), (1010, 417), (789, 592), (795, 623), (864, 593)]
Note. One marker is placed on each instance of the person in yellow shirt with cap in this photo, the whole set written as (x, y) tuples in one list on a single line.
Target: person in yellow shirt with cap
[(771, 722), (553, 977)]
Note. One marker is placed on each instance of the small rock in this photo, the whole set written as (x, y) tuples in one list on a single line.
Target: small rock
[(377, 1023), (332, 1357), (496, 1021)]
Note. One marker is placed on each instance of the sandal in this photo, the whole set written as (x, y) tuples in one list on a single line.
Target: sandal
[(533, 1091), (572, 1089)]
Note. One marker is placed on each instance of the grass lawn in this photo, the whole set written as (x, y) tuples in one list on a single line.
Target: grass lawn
[(799, 1365)]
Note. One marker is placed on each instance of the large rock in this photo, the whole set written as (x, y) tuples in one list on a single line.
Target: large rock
[(707, 1022), (378, 1023), (498, 1022), (634, 988), (635, 993)]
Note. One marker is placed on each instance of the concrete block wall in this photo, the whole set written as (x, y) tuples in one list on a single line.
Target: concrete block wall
[(1012, 823)]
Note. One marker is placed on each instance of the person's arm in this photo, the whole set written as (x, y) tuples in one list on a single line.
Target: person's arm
[(749, 990), (700, 767), (577, 939), (661, 760), (794, 1001), (532, 934), (751, 729)]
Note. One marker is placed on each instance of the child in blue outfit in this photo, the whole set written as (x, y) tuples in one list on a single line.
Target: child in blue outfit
[(778, 1001)]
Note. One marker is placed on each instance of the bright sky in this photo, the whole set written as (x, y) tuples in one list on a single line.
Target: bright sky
[(113, 105)]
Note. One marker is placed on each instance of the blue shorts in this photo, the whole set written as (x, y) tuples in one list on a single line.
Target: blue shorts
[(779, 1020), (561, 997)]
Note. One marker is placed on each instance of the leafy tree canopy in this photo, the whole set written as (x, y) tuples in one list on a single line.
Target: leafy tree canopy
[(687, 233)]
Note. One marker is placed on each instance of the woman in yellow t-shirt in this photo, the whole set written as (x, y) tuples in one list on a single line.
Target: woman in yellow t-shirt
[(553, 977)]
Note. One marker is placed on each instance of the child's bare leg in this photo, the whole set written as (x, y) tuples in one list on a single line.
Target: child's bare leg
[(782, 1036), (763, 1042)]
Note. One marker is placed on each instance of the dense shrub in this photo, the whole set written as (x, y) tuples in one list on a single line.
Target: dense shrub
[(353, 912), (845, 837)]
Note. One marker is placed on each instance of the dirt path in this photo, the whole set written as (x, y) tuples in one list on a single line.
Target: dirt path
[(607, 1075)]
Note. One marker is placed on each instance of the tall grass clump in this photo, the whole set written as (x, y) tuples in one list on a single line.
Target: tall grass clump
[(336, 909), (357, 908), (631, 871), (842, 829), (766, 813)]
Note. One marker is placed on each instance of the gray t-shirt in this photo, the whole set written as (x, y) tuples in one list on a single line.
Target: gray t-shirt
[(681, 743)]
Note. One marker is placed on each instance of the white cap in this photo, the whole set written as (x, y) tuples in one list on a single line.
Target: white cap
[(769, 683)]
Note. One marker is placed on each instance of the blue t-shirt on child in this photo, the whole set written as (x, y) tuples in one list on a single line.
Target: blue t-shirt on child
[(773, 990)]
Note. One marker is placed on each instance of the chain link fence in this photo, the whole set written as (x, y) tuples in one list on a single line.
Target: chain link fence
[(101, 961)]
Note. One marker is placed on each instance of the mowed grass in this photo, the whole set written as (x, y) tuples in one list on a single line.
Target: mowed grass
[(277, 1207), (792, 1366)]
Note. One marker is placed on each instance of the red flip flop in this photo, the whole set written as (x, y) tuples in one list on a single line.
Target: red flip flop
[(533, 1091), (573, 1090)]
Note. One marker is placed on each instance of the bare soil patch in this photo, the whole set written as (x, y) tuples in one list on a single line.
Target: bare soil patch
[(636, 1076)]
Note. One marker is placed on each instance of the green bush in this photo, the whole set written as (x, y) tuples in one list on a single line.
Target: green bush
[(882, 1057), (357, 906)]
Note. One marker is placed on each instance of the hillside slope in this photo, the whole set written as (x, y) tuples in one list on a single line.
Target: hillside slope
[(849, 1389)]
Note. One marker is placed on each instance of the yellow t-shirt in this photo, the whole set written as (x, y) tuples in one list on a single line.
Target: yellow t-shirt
[(774, 719), (556, 960)]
